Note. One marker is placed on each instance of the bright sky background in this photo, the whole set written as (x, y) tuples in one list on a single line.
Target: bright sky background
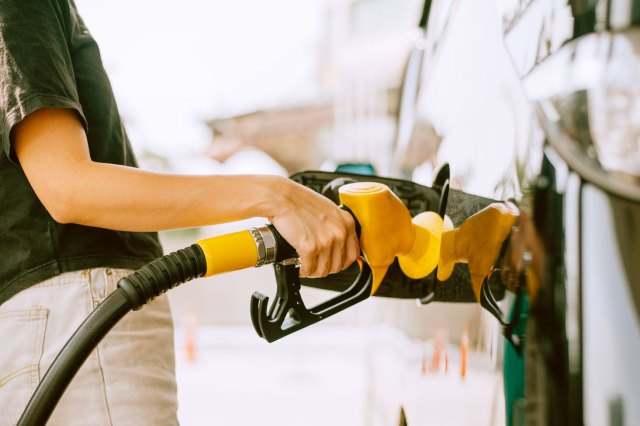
[(174, 64)]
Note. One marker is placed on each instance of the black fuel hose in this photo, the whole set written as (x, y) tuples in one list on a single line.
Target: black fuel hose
[(132, 293)]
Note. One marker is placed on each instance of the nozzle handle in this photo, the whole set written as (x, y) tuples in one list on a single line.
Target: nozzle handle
[(288, 313)]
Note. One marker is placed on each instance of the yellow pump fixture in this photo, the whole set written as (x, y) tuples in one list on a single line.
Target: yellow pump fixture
[(388, 231), (252, 247), (229, 252), (478, 242)]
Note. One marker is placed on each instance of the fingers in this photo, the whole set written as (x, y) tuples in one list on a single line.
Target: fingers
[(333, 250), (338, 251), (350, 249), (308, 265), (316, 255)]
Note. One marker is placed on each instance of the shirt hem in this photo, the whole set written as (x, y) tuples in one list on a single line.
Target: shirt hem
[(50, 269)]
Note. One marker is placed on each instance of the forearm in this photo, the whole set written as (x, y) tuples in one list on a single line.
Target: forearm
[(52, 149), (128, 199)]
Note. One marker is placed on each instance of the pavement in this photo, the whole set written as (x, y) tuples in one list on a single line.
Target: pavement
[(329, 375)]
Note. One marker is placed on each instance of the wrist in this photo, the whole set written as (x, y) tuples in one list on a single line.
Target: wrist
[(273, 196)]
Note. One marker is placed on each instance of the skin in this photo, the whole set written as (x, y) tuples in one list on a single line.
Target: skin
[(51, 146)]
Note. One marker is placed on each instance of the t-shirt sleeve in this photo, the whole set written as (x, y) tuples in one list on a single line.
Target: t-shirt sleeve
[(36, 69)]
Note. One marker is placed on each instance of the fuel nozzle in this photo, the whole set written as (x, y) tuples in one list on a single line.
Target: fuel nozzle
[(388, 231), (478, 241)]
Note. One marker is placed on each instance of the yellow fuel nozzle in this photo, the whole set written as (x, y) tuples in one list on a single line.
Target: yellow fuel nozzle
[(388, 231), (478, 242)]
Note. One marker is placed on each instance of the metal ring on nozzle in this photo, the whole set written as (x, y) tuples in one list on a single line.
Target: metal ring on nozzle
[(266, 244)]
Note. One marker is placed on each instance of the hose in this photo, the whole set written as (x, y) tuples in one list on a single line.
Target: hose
[(132, 293)]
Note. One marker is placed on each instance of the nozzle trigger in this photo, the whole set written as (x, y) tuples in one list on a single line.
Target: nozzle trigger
[(288, 313), (488, 301)]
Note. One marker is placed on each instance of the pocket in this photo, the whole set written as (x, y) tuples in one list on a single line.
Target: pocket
[(22, 337)]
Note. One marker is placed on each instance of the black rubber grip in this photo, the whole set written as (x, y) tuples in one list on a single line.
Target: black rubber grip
[(163, 274), (284, 250)]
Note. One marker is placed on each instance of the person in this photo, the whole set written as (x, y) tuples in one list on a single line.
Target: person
[(77, 214)]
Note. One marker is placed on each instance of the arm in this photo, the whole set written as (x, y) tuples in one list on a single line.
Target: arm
[(52, 149)]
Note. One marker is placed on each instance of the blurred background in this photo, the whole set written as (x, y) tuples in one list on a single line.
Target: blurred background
[(277, 87)]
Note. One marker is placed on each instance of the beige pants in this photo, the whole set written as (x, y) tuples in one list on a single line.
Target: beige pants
[(128, 380)]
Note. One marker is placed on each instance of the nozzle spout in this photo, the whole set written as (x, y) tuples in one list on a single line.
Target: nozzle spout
[(478, 242)]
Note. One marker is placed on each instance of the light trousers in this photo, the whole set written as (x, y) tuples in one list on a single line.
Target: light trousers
[(129, 379)]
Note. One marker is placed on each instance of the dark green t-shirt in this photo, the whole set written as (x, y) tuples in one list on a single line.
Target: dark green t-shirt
[(49, 59)]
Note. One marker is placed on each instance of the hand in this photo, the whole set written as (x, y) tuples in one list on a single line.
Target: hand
[(323, 235)]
